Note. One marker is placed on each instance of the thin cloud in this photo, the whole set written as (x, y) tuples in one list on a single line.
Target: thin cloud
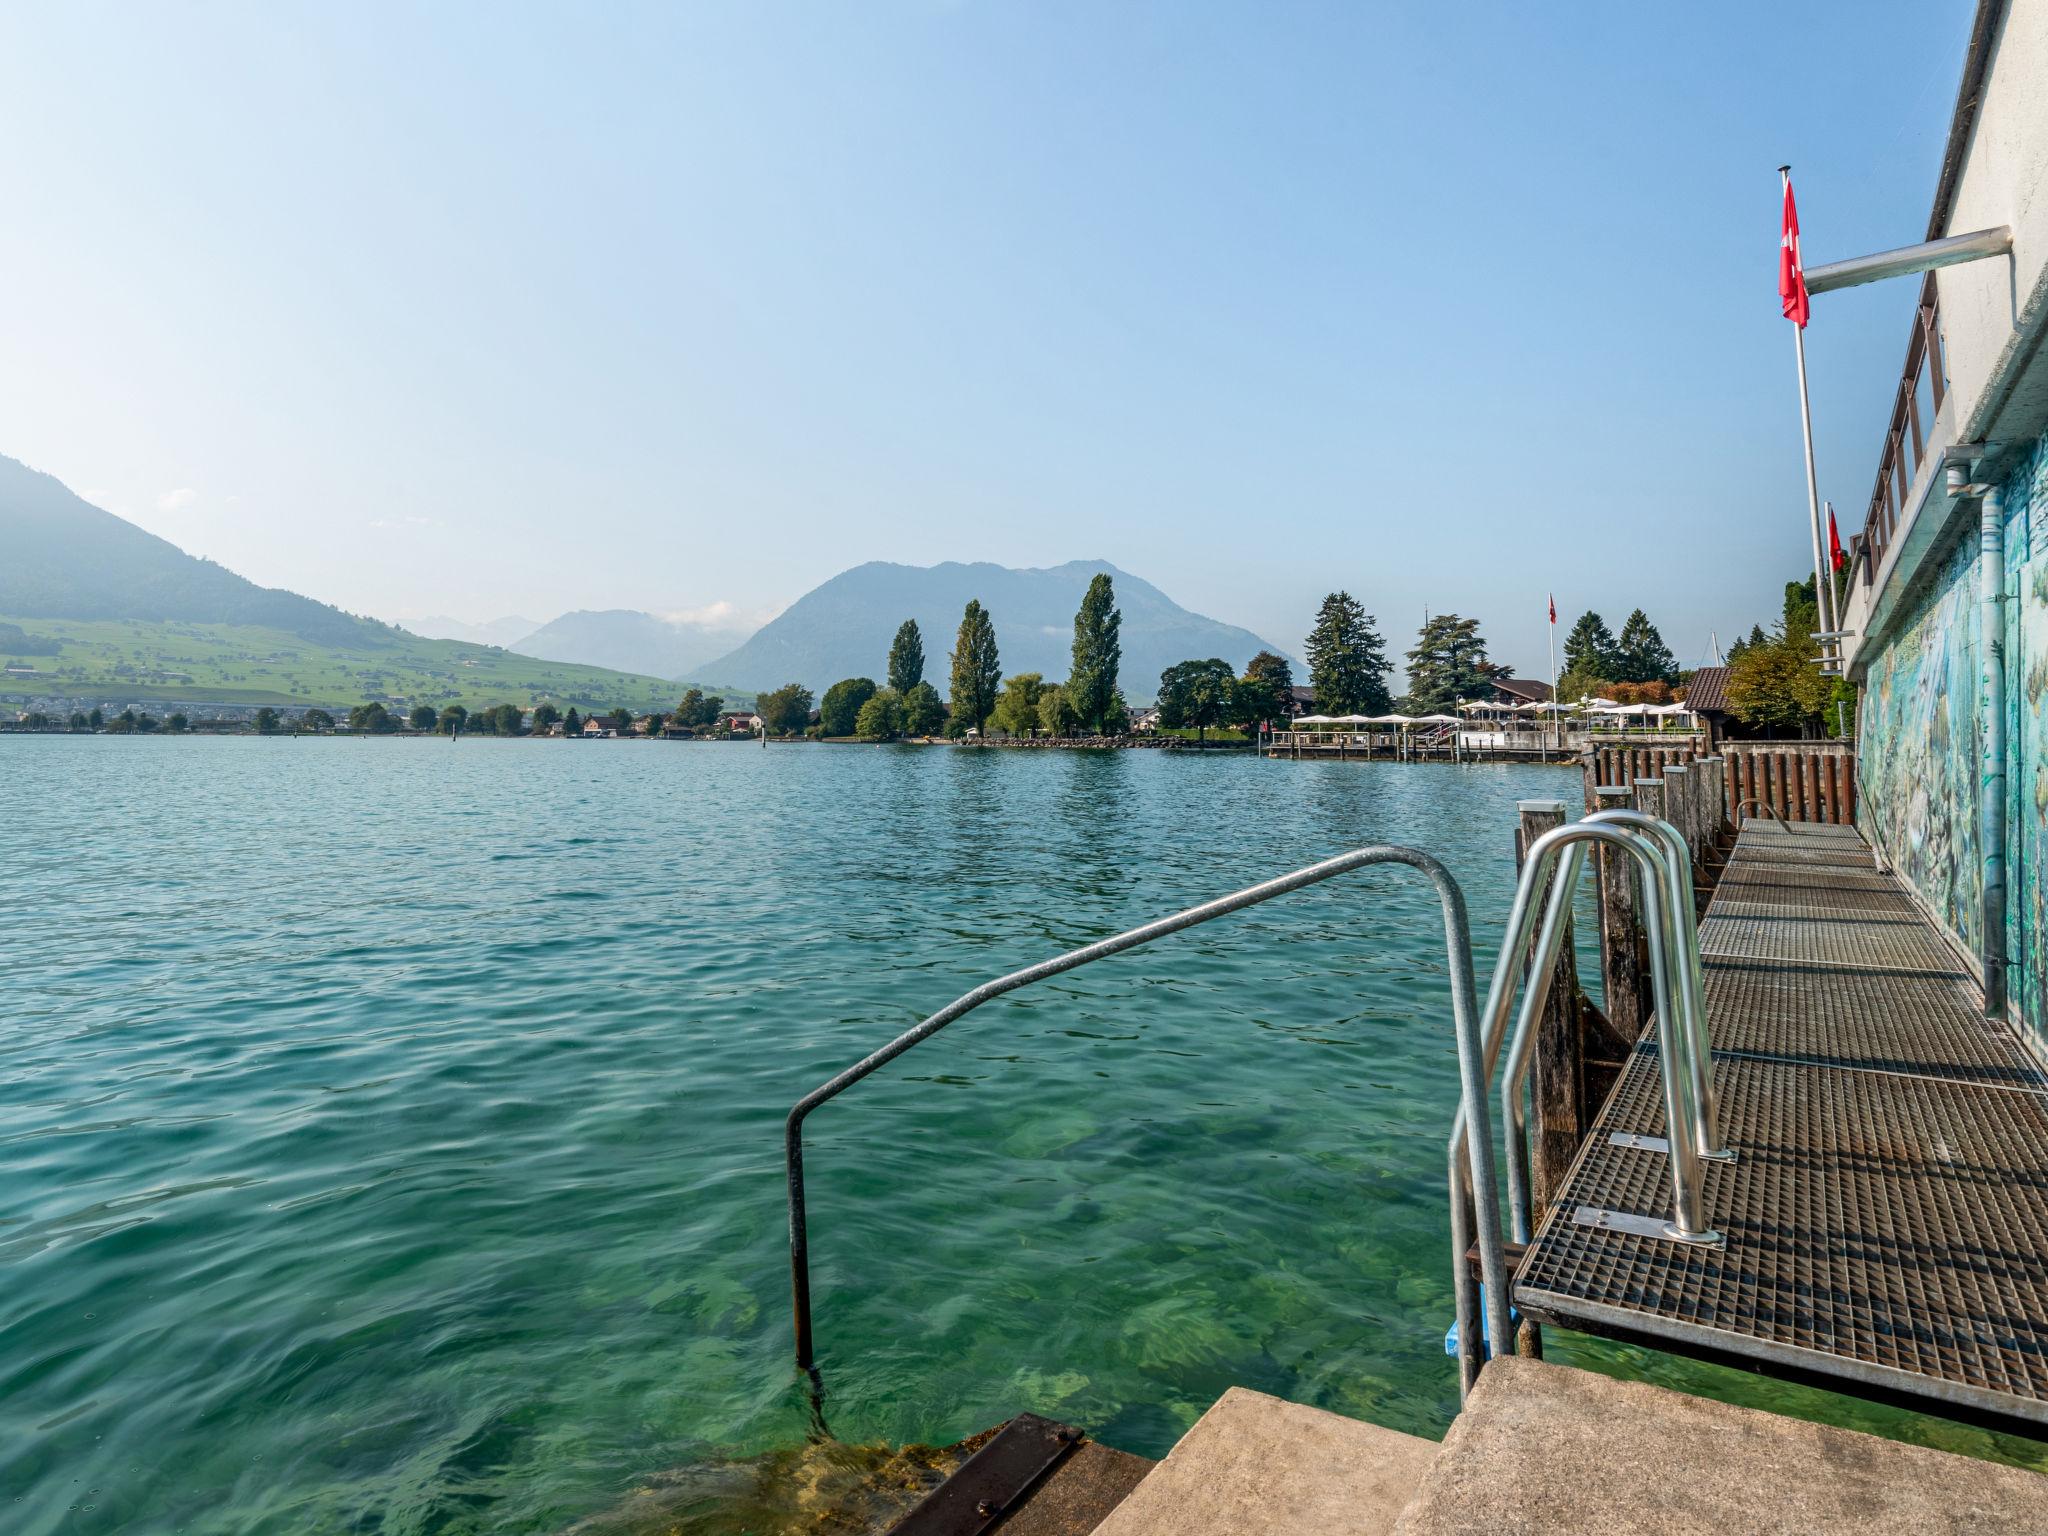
[(722, 615), (178, 500)]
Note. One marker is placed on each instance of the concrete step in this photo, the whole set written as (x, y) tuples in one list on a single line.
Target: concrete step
[(1544, 1448), (1257, 1466)]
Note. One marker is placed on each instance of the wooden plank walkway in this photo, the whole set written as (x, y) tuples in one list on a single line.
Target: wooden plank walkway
[(1887, 1212)]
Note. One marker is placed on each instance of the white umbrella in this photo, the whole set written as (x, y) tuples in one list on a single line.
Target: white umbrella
[(1390, 720), (1354, 719), (1436, 719), (1315, 720)]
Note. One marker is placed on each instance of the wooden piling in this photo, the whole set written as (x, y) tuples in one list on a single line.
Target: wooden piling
[(1624, 956)]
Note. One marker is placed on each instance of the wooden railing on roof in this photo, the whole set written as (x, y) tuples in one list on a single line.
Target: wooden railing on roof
[(1905, 441)]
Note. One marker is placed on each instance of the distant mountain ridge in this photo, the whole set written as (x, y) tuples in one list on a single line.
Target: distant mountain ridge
[(843, 627), (63, 558), (627, 641), (499, 632)]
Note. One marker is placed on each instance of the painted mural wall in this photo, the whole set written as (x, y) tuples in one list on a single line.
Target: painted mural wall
[(1919, 771), (1917, 766)]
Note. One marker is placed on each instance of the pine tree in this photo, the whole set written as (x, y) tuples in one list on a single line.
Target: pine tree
[(1098, 651), (1642, 656), (977, 668), (1589, 650), (906, 658), (1347, 659), (1448, 665)]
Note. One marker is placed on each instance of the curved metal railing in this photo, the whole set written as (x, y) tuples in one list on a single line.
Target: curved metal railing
[(1743, 805), (1479, 1207)]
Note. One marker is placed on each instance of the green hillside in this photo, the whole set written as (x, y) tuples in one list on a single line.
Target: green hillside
[(176, 660)]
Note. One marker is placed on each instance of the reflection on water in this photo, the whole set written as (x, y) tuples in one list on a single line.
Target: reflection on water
[(390, 1139)]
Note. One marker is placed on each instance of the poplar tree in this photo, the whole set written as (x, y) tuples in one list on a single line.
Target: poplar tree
[(1347, 659), (977, 667), (1098, 652), (906, 659)]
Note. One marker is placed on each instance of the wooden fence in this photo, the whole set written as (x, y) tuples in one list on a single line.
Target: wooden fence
[(1800, 780)]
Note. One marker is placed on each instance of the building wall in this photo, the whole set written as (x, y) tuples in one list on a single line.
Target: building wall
[(1919, 770)]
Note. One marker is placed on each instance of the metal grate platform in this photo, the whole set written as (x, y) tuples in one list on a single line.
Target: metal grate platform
[(1886, 1217)]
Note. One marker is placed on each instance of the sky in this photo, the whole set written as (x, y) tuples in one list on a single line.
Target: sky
[(478, 310)]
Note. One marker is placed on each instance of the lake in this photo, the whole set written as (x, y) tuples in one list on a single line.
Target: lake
[(390, 1135)]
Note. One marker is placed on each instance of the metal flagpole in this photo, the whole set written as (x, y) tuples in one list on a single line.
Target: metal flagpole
[(1823, 593), (1559, 743)]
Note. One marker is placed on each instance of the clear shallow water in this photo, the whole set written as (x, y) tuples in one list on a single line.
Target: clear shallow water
[(390, 1131)]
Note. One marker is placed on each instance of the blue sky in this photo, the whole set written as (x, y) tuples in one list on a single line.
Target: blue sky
[(479, 310)]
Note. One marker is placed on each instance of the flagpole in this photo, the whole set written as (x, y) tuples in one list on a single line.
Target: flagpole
[(1553, 668), (1823, 596)]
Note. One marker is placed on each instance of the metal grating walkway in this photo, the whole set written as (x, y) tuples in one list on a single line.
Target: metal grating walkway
[(1887, 1212)]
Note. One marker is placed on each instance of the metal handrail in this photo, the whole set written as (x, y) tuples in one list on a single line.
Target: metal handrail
[(1480, 1209), (1743, 805), (1683, 1111)]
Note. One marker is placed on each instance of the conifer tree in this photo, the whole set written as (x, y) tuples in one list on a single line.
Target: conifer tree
[(1642, 656), (906, 658), (1347, 659), (977, 667), (1098, 652), (1589, 650), (1448, 665)]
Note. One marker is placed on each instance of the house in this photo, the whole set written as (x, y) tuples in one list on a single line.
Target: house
[(1146, 719), (595, 729), (1300, 701), (1945, 628), (1518, 690), (1707, 697)]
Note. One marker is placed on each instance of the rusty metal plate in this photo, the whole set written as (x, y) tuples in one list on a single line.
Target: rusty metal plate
[(992, 1482)]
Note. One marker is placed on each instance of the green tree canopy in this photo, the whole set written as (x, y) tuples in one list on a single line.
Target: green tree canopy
[(422, 717), (786, 710), (1098, 652), (178, 723), (96, 719), (977, 666), (1590, 650), (1016, 708), (1196, 693), (266, 721), (1056, 714), (880, 716), (1265, 691), (318, 720), (572, 722), (453, 719), (924, 712), (545, 715), (1448, 665), (840, 708), (372, 717), (1642, 656), (906, 658), (1347, 659)]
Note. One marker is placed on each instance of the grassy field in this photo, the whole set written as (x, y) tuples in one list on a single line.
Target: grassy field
[(238, 664)]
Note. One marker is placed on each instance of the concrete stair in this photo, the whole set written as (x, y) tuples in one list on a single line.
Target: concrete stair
[(1547, 1449)]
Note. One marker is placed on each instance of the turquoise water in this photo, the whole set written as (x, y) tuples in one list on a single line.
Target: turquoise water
[(390, 1135)]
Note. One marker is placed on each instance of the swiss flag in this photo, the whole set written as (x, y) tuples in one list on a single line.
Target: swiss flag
[(1791, 271), (1837, 556), (1553, 608)]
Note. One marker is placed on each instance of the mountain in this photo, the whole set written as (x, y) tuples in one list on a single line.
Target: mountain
[(63, 558), (92, 607), (843, 628), (628, 641), (497, 632)]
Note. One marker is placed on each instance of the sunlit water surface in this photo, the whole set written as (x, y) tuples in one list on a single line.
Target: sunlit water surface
[(390, 1136)]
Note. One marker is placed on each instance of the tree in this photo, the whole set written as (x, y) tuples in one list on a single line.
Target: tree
[(1056, 713), (786, 711), (621, 718), (178, 723), (317, 720), (906, 659), (95, 720), (880, 717), (1098, 652), (1264, 692), (1776, 683), (840, 709), (1016, 708), (422, 717), (695, 709), (1447, 666), (1196, 693), (1347, 659), (372, 717), (1590, 650), (266, 721), (977, 666), (1642, 656), (453, 719), (924, 712), (545, 715), (572, 723), (1756, 636), (506, 719), (78, 722)]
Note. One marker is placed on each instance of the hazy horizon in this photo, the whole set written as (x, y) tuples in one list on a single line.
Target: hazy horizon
[(687, 310)]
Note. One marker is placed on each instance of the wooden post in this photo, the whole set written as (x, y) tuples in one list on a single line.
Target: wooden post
[(1624, 960), (1556, 1077)]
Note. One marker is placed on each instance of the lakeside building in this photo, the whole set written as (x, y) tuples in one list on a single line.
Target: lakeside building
[(1945, 608)]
